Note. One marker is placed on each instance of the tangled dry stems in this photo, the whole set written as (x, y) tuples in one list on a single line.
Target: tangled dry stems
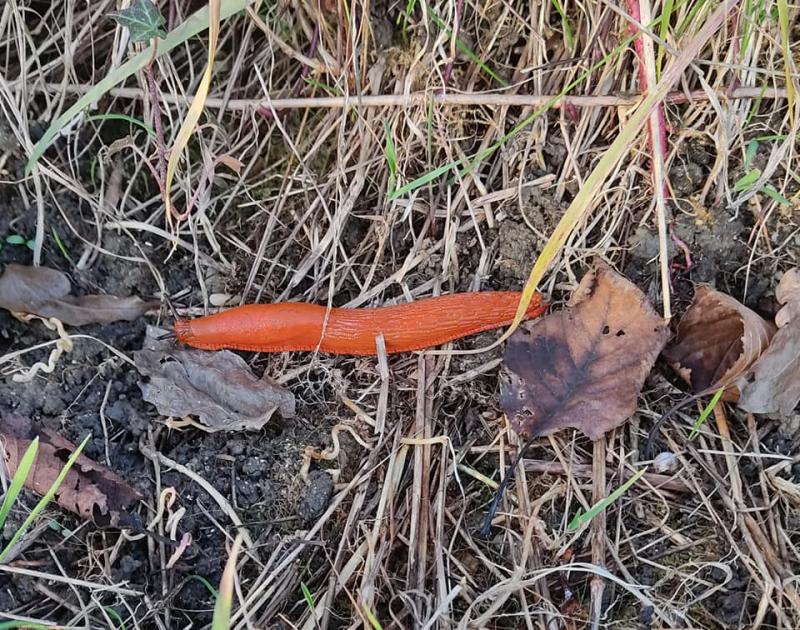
[(399, 539)]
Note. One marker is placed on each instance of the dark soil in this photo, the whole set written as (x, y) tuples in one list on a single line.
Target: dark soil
[(258, 473)]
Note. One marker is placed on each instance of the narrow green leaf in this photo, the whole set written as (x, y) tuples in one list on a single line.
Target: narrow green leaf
[(706, 412), (117, 617), (754, 108), (214, 592), (222, 609), (124, 118), (143, 19), (62, 248), (771, 192), (23, 469), (750, 152), (194, 25), (747, 181), (465, 49), (44, 500), (666, 16), (581, 519), (391, 157), (565, 24), (307, 596), (373, 620)]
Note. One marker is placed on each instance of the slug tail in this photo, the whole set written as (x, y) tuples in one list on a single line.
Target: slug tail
[(536, 307)]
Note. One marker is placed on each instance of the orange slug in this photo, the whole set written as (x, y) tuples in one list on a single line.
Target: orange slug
[(405, 327)]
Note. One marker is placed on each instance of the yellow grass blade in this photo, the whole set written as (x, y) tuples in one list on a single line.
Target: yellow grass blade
[(222, 609), (585, 199), (196, 110), (783, 20)]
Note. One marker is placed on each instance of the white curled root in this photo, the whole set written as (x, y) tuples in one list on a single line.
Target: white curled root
[(63, 344), (165, 502), (312, 453)]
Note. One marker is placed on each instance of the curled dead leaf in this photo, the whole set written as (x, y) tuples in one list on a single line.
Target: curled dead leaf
[(773, 385), (717, 342), (216, 387), (788, 293), (46, 293), (583, 367), (89, 490)]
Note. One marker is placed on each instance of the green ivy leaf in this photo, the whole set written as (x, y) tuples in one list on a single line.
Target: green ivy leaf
[(142, 19)]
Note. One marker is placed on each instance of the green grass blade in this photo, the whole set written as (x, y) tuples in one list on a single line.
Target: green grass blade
[(4, 625), (62, 248), (124, 118), (581, 519), (117, 617), (427, 177), (214, 592), (465, 49), (700, 6), (307, 596), (222, 609), (18, 481), (666, 14), (373, 620), (565, 24), (774, 194), (746, 182), (45, 499), (706, 412), (196, 24), (754, 108), (391, 157), (750, 152)]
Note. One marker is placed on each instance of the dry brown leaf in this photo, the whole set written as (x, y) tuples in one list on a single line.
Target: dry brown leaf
[(89, 490), (717, 342), (583, 366), (788, 293), (46, 293), (216, 387), (773, 385)]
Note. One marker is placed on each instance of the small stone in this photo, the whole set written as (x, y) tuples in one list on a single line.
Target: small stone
[(666, 463), (320, 489)]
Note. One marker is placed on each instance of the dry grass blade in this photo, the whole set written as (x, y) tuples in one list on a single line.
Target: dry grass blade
[(195, 111), (586, 199), (197, 23), (339, 128)]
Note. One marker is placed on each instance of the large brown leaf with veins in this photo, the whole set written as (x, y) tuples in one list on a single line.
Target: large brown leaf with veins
[(89, 490), (583, 367)]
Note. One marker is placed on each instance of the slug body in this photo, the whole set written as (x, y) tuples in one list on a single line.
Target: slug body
[(405, 327)]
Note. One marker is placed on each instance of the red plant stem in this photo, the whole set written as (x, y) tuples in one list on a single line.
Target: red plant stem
[(659, 125), (456, 26), (687, 254)]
